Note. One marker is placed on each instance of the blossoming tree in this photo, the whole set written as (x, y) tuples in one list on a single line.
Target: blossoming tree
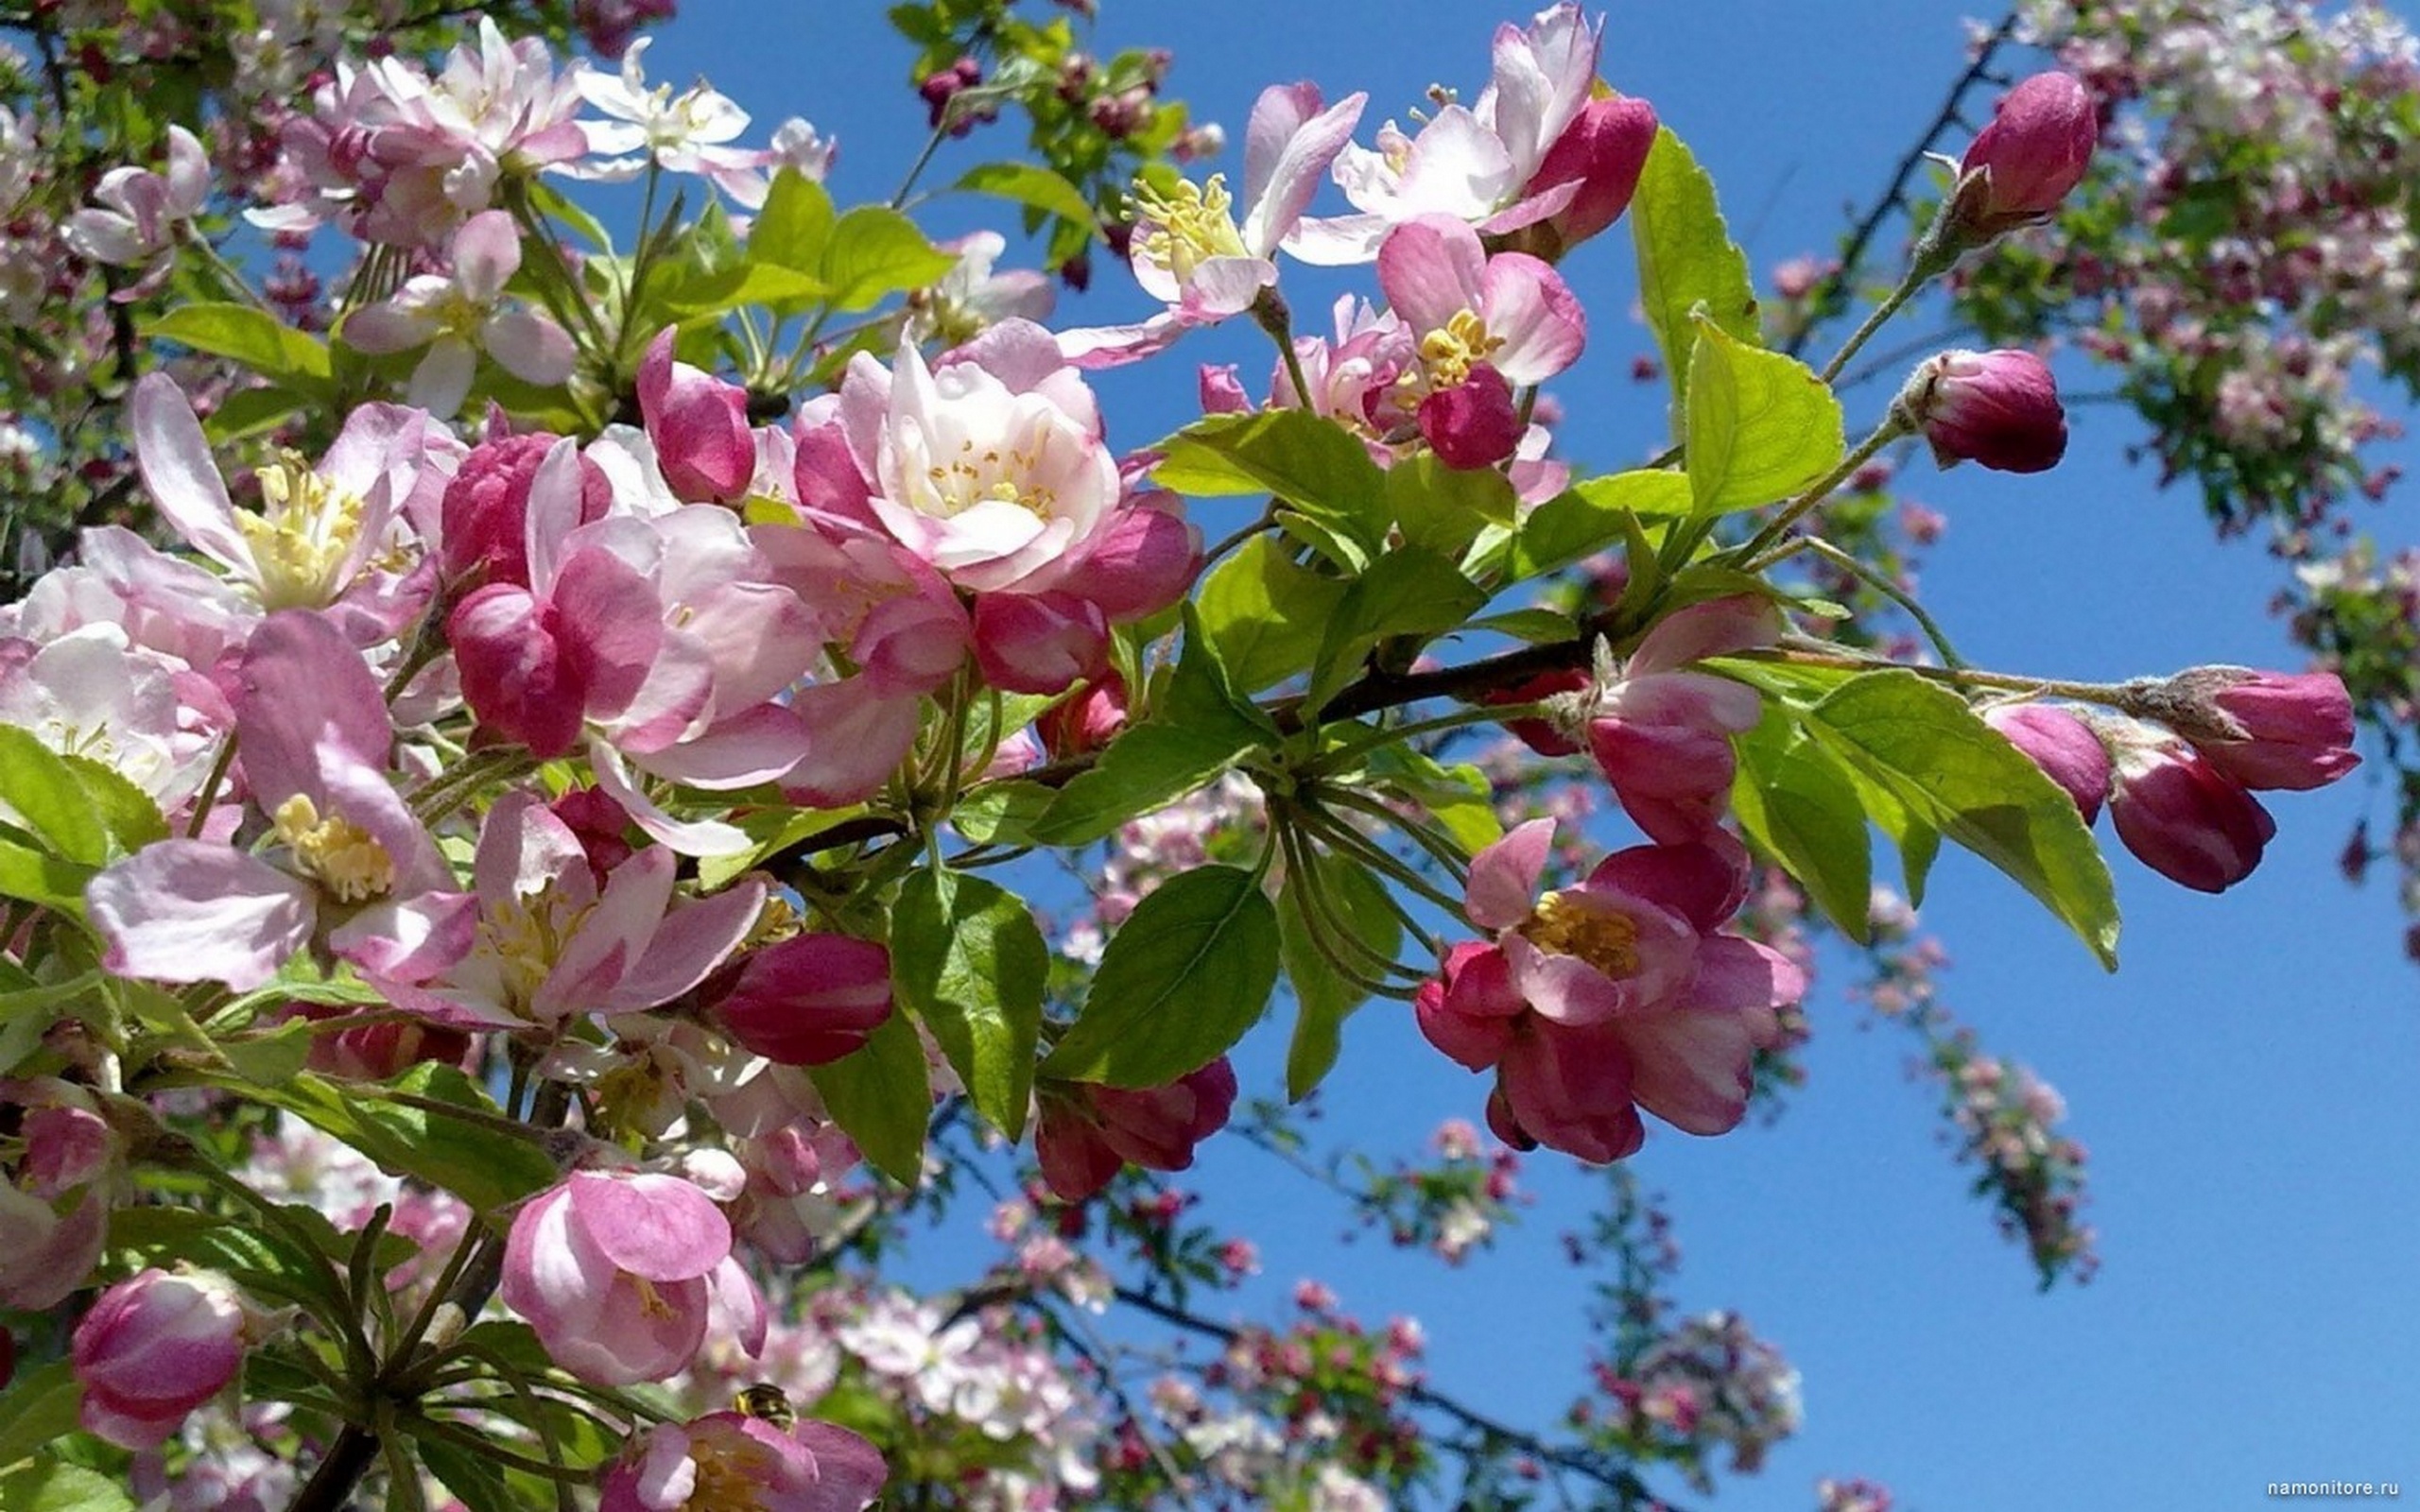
[(529, 747)]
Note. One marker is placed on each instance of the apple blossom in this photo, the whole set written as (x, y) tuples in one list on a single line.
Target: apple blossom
[(155, 1346), (458, 315), (728, 1460), (2266, 730), (145, 214), (2036, 150), (804, 1001), (619, 1273), (2062, 745), (699, 425), (2179, 814), (1661, 734), (1999, 408), (1088, 1133)]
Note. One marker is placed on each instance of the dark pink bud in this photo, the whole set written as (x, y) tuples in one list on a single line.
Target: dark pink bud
[(599, 824), (1999, 408), (485, 511), (1087, 1132), (1604, 149), (375, 1052), (1039, 642), (2270, 730), (1541, 735), (806, 1001), (698, 424), (154, 1347), (1467, 1009), (2063, 746), (1142, 562), (1085, 722), (2036, 150), (2185, 819), (66, 1146), (1222, 392), (1472, 424)]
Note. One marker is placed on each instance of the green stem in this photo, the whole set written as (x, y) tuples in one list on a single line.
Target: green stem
[(1893, 426), (1793, 651), (1441, 847), (210, 785), (1872, 579), (1923, 270), (1340, 836), (1344, 756), (1270, 313)]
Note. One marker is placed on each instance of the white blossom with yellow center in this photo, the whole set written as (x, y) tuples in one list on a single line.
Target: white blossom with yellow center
[(302, 538)]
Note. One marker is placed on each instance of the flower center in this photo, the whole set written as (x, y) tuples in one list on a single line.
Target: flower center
[(1190, 226), (1449, 355), (1608, 941), (524, 936), (989, 476), (339, 854), (300, 537), (730, 1478)]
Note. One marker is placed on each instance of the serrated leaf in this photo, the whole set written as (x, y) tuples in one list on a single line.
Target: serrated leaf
[(1305, 460), (1265, 612), (469, 1157), (476, 1481), (1459, 798), (1147, 768), (1030, 184), (1959, 776), (706, 295), (882, 1098), (1185, 975), (273, 1059), (1001, 813), (39, 1407), (794, 226), (1801, 810), (1322, 998), (1686, 259), (875, 252), (1591, 516), (46, 1484), (40, 792), (1761, 425), (253, 337), (129, 815), (967, 959), (1408, 591), (39, 876), (1445, 508), (1539, 626)]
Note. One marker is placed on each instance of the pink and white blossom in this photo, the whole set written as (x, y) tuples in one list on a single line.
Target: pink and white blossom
[(460, 314)]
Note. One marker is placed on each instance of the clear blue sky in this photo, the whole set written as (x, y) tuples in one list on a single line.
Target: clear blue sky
[(2244, 1083)]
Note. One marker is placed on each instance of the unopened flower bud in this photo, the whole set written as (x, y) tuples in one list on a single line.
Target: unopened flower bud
[(806, 1001), (2063, 746), (1999, 408), (2266, 730), (2018, 168), (2183, 817), (152, 1349)]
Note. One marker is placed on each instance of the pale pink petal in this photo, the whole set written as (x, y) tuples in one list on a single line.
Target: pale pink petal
[(442, 379), (690, 838), (487, 252), (611, 938), (1504, 876), (1286, 155), (653, 1225), (754, 745), (1431, 269), (409, 940), (692, 941), (192, 911), (530, 347), (176, 468), (1714, 627), (857, 736), (1527, 305), (1691, 1070)]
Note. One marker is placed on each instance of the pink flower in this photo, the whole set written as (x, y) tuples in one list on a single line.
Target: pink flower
[(1618, 994), (698, 424), (2036, 150), (1039, 642), (1086, 720), (1087, 1133), (484, 514), (1187, 249), (2269, 730), (1481, 325), (1999, 408), (146, 211), (349, 868), (727, 1462), (1603, 152), (806, 1001), (2062, 745), (152, 1349), (2182, 817), (1661, 736), (618, 1274), (460, 314), (55, 1204)]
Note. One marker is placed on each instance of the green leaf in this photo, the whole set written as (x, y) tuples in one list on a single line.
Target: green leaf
[(1265, 612), (479, 1483), (1200, 696), (1307, 460), (253, 337), (1187, 973), (46, 1484), (707, 294), (773, 829), (1801, 810), (257, 1258), (1539, 626), (1001, 813), (1584, 519), (40, 877), (1459, 798), (967, 959), (271, 1058), (1761, 425), (128, 812), (876, 252), (467, 1156), (795, 225), (48, 799), (881, 1097), (250, 411), (1686, 259), (1147, 768), (1322, 998), (1956, 775), (1030, 184), (39, 1406), (1445, 508), (1408, 591)]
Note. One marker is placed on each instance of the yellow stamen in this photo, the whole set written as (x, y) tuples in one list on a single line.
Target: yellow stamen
[(1449, 355), (336, 853), (1189, 225), (302, 536), (1608, 941), (989, 475)]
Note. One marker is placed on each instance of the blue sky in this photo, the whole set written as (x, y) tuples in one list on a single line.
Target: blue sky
[(2244, 1082)]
